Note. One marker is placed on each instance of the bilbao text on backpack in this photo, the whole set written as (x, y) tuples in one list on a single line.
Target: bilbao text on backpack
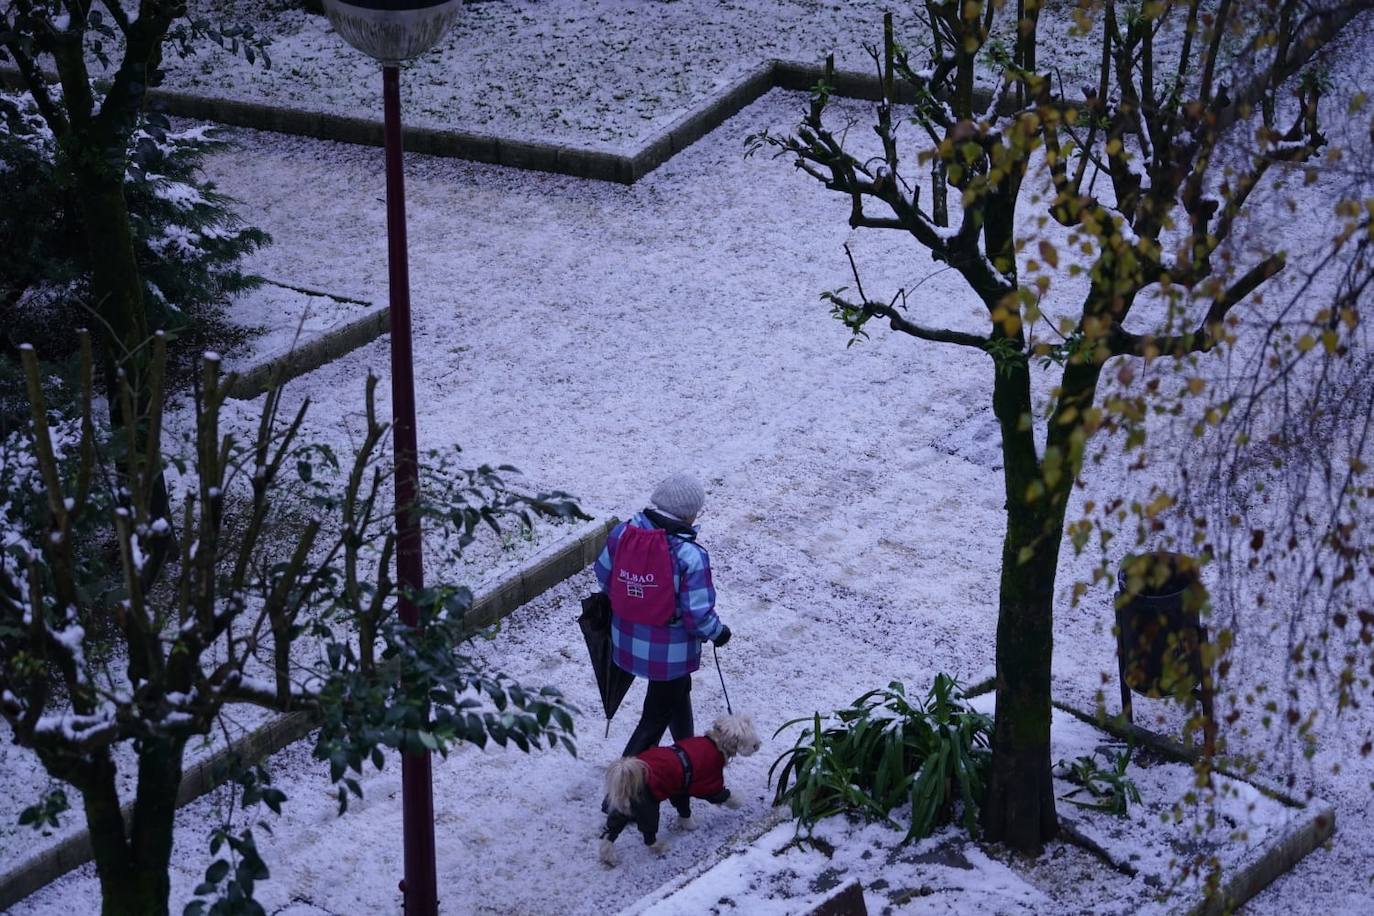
[(641, 583)]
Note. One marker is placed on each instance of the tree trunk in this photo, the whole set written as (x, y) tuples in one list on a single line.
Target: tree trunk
[(110, 847), (132, 861), (116, 284), (1019, 809), (117, 294), (155, 805)]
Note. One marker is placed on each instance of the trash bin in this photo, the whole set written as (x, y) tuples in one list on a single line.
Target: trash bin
[(1159, 602)]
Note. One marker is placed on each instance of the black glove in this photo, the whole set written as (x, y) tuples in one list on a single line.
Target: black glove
[(722, 637)]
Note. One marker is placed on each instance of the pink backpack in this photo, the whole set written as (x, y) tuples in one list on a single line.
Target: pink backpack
[(642, 577)]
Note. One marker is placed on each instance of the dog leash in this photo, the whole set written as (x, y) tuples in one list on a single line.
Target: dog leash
[(716, 652)]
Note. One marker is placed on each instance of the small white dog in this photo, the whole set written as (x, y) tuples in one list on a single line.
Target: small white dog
[(694, 767)]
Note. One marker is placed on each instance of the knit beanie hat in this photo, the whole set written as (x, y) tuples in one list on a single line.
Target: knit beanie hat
[(680, 495)]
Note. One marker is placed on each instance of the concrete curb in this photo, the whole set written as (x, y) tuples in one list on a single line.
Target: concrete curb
[(700, 120), (45, 866), (558, 158), (847, 901), (744, 838), (325, 348), (539, 574), (1312, 829), (492, 604), (1175, 750), (851, 84)]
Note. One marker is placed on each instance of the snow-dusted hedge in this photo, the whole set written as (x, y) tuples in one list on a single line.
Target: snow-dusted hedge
[(189, 239)]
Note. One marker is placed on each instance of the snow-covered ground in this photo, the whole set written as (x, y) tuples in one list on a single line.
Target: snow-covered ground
[(599, 336), (784, 871), (594, 73), (283, 319)]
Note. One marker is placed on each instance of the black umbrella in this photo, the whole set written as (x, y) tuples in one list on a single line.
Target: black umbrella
[(613, 681)]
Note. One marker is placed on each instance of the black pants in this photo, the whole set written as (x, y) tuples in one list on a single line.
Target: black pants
[(667, 707)]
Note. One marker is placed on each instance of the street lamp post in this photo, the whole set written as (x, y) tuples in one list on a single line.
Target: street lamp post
[(393, 31)]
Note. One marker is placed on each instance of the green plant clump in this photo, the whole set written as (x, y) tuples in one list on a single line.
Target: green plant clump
[(887, 749), (1109, 789)]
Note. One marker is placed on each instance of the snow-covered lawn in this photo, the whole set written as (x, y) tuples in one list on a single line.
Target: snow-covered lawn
[(595, 73), (599, 336)]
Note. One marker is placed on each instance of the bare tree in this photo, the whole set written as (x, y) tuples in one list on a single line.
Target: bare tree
[(243, 617), (1156, 123)]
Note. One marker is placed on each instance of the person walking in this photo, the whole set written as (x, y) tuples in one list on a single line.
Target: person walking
[(663, 606)]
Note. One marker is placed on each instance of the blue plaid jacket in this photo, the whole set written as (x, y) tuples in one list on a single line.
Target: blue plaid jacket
[(663, 653)]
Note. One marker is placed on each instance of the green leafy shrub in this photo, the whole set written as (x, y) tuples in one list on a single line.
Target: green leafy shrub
[(189, 241), (1107, 789), (885, 750)]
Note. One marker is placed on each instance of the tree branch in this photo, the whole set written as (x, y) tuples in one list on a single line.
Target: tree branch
[(1209, 331), (142, 57), (1209, 63), (861, 312), (117, 13), (1314, 34), (1203, 240), (32, 74), (255, 693)]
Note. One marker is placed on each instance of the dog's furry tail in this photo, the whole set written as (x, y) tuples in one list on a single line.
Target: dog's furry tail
[(624, 781)]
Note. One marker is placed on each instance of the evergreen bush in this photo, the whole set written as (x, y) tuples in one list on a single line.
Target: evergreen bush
[(189, 240), (885, 750)]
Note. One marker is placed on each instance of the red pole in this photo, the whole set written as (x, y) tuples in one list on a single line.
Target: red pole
[(417, 793)]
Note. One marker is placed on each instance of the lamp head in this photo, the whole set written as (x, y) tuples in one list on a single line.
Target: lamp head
[(392, 31)]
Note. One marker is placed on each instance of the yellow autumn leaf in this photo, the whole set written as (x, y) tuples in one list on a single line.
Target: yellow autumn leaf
[(1048, 252), (1157, 505)]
